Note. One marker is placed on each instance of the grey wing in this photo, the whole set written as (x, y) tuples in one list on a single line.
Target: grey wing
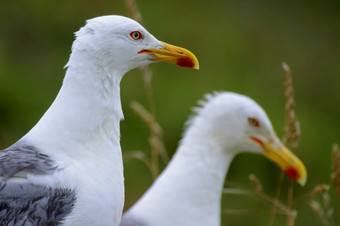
[(24, 157), (128, 219), (25, 203), (34, 205)]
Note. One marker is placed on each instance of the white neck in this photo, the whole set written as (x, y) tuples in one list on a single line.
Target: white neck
[(81, 132), (189, 190), (88, 100)]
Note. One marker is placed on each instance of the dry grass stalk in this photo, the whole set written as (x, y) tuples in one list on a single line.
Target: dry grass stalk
[(155, 139), (247, 211), (290, 139), (316, 207), (319, 189), (335, 177), (273, 211), (328, 205), (292, 129), (149, 117), (258, 192), (256, 183), (133, 10), (147, 77), (276, 202), (323, 209), (137, 155), (290, 219)]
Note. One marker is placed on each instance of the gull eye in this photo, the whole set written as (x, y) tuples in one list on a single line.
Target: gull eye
[(253, 122), (136, 35)]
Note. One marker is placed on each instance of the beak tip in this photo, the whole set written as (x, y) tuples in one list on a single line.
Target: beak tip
[(302, 181), (297, 173), (188, 62)]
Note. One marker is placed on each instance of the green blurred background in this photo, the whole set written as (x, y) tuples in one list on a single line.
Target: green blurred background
[(240, 46)]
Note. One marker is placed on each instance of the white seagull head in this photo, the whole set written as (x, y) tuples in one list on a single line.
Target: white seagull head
[(120, 43), (237, 123)]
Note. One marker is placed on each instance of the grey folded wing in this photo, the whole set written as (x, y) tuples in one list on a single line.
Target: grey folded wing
[(23, 203), (22, 157), (28, 204)]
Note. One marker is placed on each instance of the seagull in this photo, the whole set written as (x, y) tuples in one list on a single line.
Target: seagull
[(67, 170), (189, 190)]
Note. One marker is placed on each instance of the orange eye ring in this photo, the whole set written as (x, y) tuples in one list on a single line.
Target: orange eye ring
[(253, 122), (136, 35)]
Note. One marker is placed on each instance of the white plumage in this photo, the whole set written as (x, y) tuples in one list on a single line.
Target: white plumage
[(188, 192)]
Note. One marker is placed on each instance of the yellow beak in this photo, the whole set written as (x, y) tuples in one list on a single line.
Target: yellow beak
[(286, 160), (175, 55)]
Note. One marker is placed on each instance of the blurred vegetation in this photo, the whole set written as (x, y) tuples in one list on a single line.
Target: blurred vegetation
[(240, 46)]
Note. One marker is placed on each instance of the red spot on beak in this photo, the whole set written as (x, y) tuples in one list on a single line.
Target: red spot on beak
[(185, 62), (258, 141), (292, 173)]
